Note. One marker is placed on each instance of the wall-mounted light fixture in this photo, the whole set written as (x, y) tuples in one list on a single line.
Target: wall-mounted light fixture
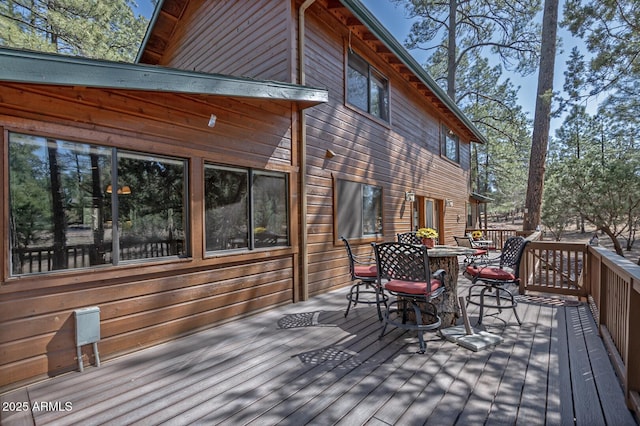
[(329, 154), (212, 120), (449, 202), (410, 196)]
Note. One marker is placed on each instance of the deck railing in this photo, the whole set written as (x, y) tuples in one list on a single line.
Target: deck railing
[(498, 236), (609, 282)]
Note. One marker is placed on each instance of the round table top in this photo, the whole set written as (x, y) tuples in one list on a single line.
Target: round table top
[(449, 251)]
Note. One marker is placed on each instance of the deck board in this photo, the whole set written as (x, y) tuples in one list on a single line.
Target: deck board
[(306, 363)]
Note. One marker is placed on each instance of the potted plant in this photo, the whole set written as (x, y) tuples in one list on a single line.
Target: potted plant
[(428, 236), (476, 235)]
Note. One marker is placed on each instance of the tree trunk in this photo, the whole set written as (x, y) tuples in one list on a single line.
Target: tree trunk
[(451, 51), (542, 117)]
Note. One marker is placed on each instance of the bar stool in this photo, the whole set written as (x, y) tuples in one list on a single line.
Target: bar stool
[(492, 276)]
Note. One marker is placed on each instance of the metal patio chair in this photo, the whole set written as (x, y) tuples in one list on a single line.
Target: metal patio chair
[(468, 243), (409, 238), (364, 274), (492, 277), (406, 267)]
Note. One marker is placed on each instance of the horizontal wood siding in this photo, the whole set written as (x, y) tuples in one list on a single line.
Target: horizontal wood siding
[(249, 39), (400, 156), (151, 302)]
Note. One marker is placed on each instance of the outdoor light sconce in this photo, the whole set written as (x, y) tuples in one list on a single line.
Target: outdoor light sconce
[(329, 154), (212, 120), (410, 196), (449, 202)]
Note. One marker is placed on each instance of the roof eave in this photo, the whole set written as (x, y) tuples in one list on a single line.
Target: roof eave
[(481, 198), (41, 68), (372, 23), (152, 23)]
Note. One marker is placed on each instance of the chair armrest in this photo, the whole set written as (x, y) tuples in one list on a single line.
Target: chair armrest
[(364, 260)]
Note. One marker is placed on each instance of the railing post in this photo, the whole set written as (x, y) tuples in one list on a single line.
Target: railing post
[(633, 364)]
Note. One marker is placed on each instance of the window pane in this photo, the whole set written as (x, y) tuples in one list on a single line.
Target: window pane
[(349, 209), (226, 208), (58, 204), (379, 96), (428, 212), (357, 88), (451, 145), (151, 208), (371, 210), (270, 218)]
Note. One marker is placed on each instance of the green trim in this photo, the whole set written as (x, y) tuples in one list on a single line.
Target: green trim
[(43, 68), (481, 198), (372, 23)]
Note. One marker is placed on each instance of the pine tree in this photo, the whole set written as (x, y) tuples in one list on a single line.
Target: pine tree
[(105, 29)]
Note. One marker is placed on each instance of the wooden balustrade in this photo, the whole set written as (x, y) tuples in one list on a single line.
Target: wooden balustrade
[(615, 292), (610, 282), (498, 236)]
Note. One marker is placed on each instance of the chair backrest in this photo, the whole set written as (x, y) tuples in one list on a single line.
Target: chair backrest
[(409, 238), (512, 253), (352, 268), (406, 262), (464, 241)]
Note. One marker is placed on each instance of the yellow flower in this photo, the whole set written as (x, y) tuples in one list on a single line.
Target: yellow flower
[(427, 233), (476, 235)]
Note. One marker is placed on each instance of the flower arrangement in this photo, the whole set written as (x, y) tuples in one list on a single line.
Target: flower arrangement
[(476, 235), (427, 233)]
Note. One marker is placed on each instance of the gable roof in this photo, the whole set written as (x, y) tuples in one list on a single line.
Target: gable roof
[(20, 66), (360, 21)]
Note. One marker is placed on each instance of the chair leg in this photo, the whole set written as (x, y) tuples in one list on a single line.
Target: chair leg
[(380, 299), (350, 299), (481, 313), (423, 345), (513, 303)]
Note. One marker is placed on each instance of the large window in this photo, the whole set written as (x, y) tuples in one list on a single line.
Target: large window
[(245, 209), (359, 209), (367, 89), (74, 205), (450, 144)]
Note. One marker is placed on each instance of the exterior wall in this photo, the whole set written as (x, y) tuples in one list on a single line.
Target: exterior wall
[(156, 300), (400, 156), (247, 39)]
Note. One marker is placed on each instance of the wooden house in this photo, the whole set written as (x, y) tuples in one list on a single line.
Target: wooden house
[(213, 178)]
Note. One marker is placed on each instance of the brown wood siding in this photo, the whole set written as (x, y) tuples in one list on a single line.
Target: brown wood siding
[(145, 303), (249, 39), (400, 156)]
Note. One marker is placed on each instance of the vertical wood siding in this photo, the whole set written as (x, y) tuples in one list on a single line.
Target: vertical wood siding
[(150, 302), (400, 156), (249, 39)]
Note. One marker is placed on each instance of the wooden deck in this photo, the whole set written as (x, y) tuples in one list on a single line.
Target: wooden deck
[(306, 364)]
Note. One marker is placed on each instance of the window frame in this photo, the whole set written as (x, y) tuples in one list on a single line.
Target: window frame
[(447, 135), (373, 76), (250, 218), (81, 146)]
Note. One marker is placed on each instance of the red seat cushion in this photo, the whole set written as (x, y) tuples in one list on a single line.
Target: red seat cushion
[(365, 270), (480, 252), (491, 273), (411, 287)]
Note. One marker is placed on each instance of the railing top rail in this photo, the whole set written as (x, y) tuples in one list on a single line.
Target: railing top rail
[(618, 264), (558, 245)]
